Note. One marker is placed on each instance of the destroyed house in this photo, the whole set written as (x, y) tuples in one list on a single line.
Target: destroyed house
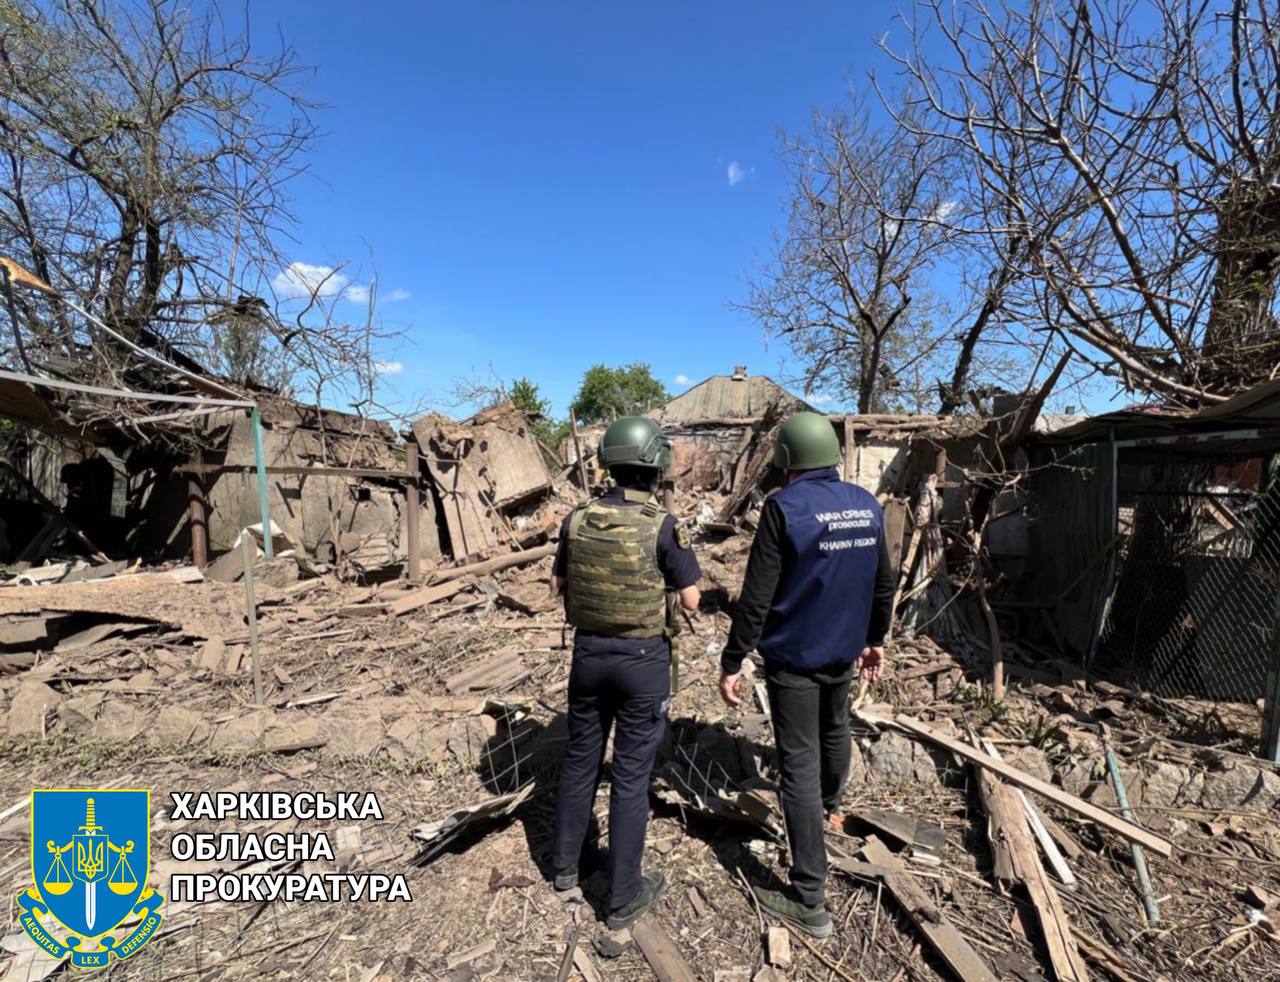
[(124, 478), (1157, 544), (714, 426)]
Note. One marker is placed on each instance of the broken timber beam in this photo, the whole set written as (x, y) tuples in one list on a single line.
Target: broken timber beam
[(659, 951), (1038, 827), (1017, 861), (421, 598), (1134, 833), (493, 565), (940, 932)]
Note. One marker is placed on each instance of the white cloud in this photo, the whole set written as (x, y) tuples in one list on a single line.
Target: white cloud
[(682, 379), (944, 210), (302, 280), (821, 400), (737, 173), (356, 293), (388, 367)]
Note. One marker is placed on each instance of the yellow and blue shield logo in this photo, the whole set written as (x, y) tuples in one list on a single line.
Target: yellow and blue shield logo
[(90, 855)]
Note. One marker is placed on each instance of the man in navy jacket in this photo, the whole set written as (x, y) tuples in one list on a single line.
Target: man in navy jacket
[(816, 603)]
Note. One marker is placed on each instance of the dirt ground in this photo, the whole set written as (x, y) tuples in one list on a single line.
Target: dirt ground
[(360, 698)]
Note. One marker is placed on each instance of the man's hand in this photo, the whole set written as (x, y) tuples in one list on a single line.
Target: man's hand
[(731, 689), (871, 663)]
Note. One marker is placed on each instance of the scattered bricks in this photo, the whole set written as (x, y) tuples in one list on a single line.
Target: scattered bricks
[(1230, 788), (1162, 784), (79, 713), (416, 736), (353, 731), (177, 726), (896, 760), (469, 738), (346, 847), (27, 711), (244, 732), (778, 947), (119, 721), (1033, 760), (212, 654)]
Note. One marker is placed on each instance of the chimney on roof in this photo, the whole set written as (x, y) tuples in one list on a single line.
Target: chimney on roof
[(739, 372)]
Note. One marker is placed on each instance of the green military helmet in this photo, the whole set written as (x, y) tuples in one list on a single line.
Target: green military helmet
[(634, 441), (806, 442)]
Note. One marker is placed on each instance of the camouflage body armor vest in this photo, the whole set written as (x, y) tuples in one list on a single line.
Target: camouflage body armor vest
[(615, 587)]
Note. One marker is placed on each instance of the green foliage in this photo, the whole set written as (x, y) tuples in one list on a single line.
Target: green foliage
[(607, 393), (527, 397)]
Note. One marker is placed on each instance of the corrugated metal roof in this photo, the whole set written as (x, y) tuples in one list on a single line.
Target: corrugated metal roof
[(1255, 407), (725, 397)]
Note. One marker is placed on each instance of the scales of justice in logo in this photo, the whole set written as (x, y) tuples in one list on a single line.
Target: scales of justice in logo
[(88, 900)]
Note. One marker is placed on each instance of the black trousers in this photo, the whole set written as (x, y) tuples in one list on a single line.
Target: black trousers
[(623, 683), (810, 712)]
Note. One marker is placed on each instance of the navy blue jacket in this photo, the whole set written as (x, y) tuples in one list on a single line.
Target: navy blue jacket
[(819, 587)]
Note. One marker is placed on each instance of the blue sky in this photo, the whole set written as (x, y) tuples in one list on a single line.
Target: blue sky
[(548, 185)]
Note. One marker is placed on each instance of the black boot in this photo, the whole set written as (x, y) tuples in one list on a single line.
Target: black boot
[(566, 879), (652, 888), (812, 919)]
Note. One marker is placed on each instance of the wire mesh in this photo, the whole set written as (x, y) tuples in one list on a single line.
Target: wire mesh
[(1195, 609)]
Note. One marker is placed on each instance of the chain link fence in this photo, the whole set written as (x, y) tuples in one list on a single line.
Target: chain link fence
[(1195, 607)]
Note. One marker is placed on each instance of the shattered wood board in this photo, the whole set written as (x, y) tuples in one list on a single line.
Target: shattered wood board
[(660, 952), (434, 833), (24, 632), (200, 610), (503, 669), (927, 841), (492, 459), (940, 932)]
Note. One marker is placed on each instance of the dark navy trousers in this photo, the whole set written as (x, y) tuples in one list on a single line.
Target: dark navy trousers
[(810, 713), (623, 684)]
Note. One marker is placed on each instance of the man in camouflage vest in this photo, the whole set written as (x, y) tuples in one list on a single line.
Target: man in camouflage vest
[(622, 564)]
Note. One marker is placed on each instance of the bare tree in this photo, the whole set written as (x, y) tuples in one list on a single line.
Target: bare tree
[(146, 149), (1127, 157), (852, 288), (846, 277)]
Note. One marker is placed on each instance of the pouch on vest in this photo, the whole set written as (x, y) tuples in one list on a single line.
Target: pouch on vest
[(614, 586)]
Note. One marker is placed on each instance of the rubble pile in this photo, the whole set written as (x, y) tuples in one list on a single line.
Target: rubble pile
[(446, 697)]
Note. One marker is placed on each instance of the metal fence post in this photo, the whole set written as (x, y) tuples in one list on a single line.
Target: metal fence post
[(264, 502), (1271, 719)]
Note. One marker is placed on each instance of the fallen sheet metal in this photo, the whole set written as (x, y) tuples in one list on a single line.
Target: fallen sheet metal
[(436, 835)]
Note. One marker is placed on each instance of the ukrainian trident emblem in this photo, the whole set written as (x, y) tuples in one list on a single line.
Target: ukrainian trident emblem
[(91, 839)]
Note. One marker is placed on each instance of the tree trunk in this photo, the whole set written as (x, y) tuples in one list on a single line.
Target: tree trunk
[(1241, 331)]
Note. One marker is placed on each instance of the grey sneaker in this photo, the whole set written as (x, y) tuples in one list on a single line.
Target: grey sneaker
[(651, 891), (566, 879), (813, 920)]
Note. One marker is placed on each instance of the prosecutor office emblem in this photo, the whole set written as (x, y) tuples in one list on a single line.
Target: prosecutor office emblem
[(90, 855)]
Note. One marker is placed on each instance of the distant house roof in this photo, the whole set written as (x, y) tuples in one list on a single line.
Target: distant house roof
[(729, 397), (1258, 407)]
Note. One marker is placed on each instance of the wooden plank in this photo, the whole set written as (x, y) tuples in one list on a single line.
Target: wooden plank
[(659, 951), (937, 930), (849, 474), (493, 565), (297, 470), (1102, 956), (421, 598), (1134, 833), (1060, 868), (925, 841), (500, 670), (1017, 862), (413, 564)]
